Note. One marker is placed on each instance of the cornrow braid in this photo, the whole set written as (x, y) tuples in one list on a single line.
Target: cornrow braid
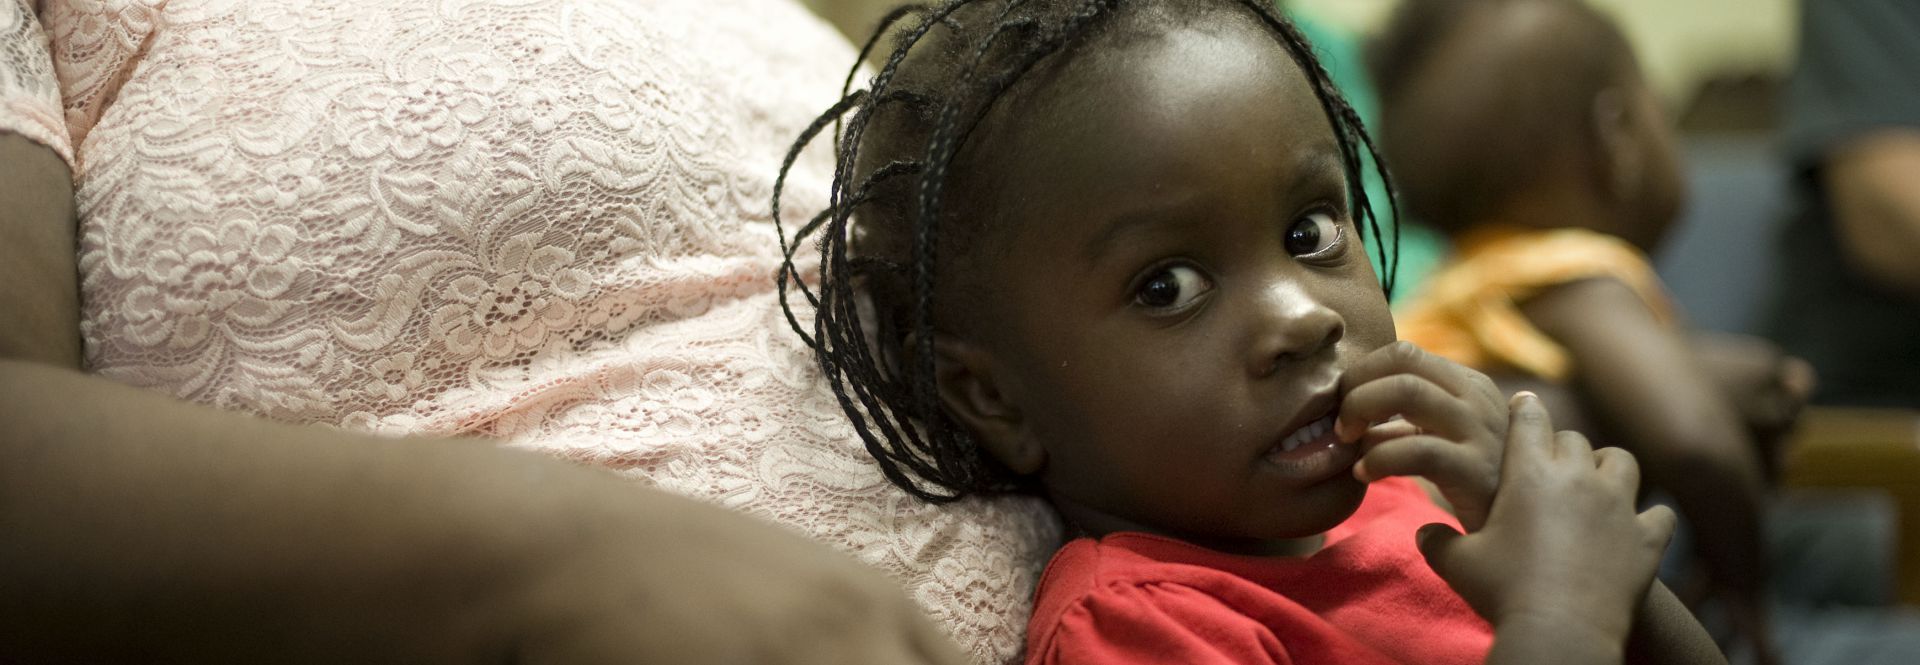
[(874, 309)]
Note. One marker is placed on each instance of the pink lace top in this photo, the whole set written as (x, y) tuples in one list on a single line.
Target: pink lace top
[(543, 221)]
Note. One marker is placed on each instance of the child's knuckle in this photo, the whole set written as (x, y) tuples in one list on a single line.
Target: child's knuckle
[(1406, 387), (1403, 351)]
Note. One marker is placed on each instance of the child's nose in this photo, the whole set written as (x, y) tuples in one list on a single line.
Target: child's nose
[(1292, 327)]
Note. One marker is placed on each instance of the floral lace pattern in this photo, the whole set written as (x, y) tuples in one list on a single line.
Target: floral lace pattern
[(543, 221), (29, 94)]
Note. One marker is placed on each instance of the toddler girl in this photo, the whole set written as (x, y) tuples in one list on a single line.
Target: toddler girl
[(1109, 252)]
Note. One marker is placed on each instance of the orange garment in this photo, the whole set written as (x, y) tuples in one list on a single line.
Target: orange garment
[(1469, 311)]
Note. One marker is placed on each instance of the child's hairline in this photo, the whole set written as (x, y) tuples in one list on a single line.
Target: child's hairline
[(1000, 131)]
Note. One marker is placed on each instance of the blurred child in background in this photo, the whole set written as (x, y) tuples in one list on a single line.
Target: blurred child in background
[(1525, 130)]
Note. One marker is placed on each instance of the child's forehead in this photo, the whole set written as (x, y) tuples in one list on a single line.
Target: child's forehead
[(1186, 123), (1119, 97), (1123, 99), (1131, 73), (1203, 40)]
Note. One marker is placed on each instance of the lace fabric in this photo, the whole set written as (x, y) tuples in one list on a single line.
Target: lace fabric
[(543, 221), (29, 93)]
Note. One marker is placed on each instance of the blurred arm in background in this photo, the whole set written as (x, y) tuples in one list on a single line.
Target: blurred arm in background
[(1873, 184)]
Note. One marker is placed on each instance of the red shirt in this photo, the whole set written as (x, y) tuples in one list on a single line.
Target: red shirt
[(1366, 597)]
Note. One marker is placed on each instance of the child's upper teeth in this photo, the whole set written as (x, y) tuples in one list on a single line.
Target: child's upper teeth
[(1309, 432)]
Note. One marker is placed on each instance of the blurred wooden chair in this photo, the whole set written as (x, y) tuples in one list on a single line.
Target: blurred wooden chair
[(1849, 448)]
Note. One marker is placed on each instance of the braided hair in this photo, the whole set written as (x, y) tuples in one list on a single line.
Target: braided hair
[(896, 144)]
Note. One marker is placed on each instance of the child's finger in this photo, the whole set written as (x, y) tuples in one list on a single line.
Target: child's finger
[(1439, 545), (1406, 358), (1657, 524), (1571, 445), (1529, 435), (1444, 462), (1413, 397), (1388, 431), (1618, 465), (1797, 378)]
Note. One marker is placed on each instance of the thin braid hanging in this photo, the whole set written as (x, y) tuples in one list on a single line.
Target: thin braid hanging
[(1352, 136), (885, 385)]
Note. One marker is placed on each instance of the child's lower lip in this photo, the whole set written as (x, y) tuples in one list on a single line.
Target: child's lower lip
[(1314, 460)]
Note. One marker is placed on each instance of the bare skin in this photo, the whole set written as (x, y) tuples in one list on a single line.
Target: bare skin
[(1548, 477), (1876, 204), (1184, 288), (1765, 386), (136, 528)]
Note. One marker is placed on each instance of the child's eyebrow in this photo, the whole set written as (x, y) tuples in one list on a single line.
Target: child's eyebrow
[(1160, 212), (1312, 169), (1317, 168)]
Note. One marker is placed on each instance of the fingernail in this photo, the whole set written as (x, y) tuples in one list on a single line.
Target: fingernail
[(1524, 395), (1360, 471), (1340, 430)]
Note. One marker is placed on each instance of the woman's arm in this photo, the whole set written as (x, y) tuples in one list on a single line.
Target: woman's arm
[(134, 527), (1666, 633), (1874, 184), (39, 284), (137, 527)]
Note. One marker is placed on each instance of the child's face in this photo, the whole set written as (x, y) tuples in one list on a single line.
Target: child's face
[(1183, 292)]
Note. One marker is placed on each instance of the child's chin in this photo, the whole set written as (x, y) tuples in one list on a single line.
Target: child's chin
[(1324, 506)]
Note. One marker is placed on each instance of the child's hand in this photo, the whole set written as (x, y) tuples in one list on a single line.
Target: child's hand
[(1453, 428), (1562, 543), (1764, 385)]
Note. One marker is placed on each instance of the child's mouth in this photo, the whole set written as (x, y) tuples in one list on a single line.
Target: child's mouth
[(1312, 452), (1307, 434)]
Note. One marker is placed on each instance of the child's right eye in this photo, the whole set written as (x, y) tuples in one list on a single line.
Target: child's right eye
[(1172, 287)]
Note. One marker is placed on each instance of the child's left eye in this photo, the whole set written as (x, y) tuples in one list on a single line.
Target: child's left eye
[(1312, 234), (1172, 287)]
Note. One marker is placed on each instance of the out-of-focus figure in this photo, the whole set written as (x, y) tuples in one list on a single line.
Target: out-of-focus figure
[(1849, 294), (1526, 131)]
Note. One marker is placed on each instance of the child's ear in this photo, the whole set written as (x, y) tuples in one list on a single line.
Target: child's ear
[(970, 387), (1621, 155)]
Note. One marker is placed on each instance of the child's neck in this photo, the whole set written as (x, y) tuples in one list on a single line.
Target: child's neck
[(1550, 208), (1566, 206), (1280, 548), (1093, 523)]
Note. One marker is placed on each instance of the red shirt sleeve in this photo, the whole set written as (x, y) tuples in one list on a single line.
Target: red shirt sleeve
[(1158, 623)]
